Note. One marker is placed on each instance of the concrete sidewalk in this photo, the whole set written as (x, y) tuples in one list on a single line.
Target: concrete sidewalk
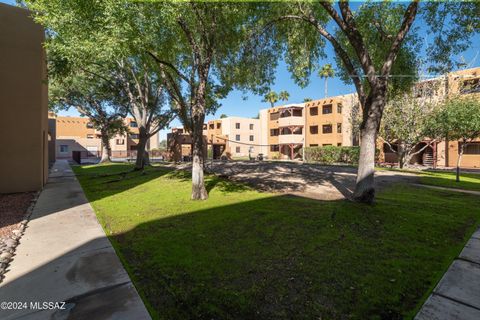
[(64, 256), (457, 295)]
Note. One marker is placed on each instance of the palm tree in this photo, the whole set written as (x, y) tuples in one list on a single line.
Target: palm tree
[(283, 95), (325, 73), (307, 99), (271, 97)]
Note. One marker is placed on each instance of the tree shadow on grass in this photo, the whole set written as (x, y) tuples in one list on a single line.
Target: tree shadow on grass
[(275, 257)]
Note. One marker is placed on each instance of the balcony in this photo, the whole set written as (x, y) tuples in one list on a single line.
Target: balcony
[(291, 121), (290, 139)]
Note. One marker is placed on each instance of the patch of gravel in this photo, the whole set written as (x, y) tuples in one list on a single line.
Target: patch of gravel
[(15, 210)]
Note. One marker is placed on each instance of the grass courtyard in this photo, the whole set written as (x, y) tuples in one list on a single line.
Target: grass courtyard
[(246, 254)]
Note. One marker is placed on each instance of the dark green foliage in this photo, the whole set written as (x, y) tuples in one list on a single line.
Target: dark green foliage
[(332, 154)]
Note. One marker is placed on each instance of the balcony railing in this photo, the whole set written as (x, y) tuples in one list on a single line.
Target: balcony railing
[(291, 121), (290, 139)]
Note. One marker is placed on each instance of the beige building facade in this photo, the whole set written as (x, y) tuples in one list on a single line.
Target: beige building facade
[(78, 134), (23, 102), (444, 153), (292, 127)]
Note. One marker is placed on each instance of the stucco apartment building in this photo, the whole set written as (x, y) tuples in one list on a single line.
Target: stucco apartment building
[(234, 137), (23, 102), (78, 134), (444, 153), (323, 122)]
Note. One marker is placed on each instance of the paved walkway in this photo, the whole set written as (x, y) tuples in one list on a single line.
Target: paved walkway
[(477, 193), (64, 256), (457, 295)]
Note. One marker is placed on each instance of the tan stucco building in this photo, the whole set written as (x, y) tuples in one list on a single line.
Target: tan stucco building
[(78, 134), (321, 122), (444, 153), (23, 102)]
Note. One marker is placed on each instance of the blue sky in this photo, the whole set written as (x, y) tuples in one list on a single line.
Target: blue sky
[(235, 105)]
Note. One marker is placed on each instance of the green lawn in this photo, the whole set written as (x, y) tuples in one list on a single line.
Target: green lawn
[(470, 181), (244, 254)]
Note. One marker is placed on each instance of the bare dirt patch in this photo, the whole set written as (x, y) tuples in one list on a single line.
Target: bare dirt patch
[(307, 180)]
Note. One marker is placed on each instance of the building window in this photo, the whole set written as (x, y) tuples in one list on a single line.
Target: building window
[(327, 109), (313, 145), (237, 125), (274, 132), (313, 129), (211, 126), (219, 125), (133, 124), (90, 136), (314, 111), (471, 148), (339, 128), (274, 147), (89, 125), (339, 144), (274, 115), (470, 86), (134, 147), (237, 137), (251, 126), (251, 138), (339, 108), (237, 149), (133, 136), (327, 128), (120, 141), (63, 148), (326, 144)]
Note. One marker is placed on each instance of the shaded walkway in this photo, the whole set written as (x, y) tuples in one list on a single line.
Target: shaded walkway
[(64, 256)]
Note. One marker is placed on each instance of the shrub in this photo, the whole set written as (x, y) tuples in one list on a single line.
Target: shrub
[(332, 154)]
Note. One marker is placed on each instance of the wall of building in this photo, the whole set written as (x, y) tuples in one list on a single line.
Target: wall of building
[(74, 134), (23, 102), (244, 146)]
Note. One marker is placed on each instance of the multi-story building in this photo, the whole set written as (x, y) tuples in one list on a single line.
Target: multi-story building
[(444, 153), (233, 137), (321, 122), (78, 134), (239, 137)]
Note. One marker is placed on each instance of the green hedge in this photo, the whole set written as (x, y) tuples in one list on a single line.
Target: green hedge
[(332, 154)]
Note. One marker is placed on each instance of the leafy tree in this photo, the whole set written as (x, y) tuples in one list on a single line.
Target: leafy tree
[(405, 121), (325, 73), (223, 116), (374, 51), (102, 39), (200, 48), (307, 99), (458, 118), (283, 95), (271, 97), (92, 99)]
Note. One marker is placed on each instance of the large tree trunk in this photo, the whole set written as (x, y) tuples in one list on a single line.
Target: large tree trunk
[(199, 192), (106, 150), (142, 143), (459, 161), (365, 185)]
